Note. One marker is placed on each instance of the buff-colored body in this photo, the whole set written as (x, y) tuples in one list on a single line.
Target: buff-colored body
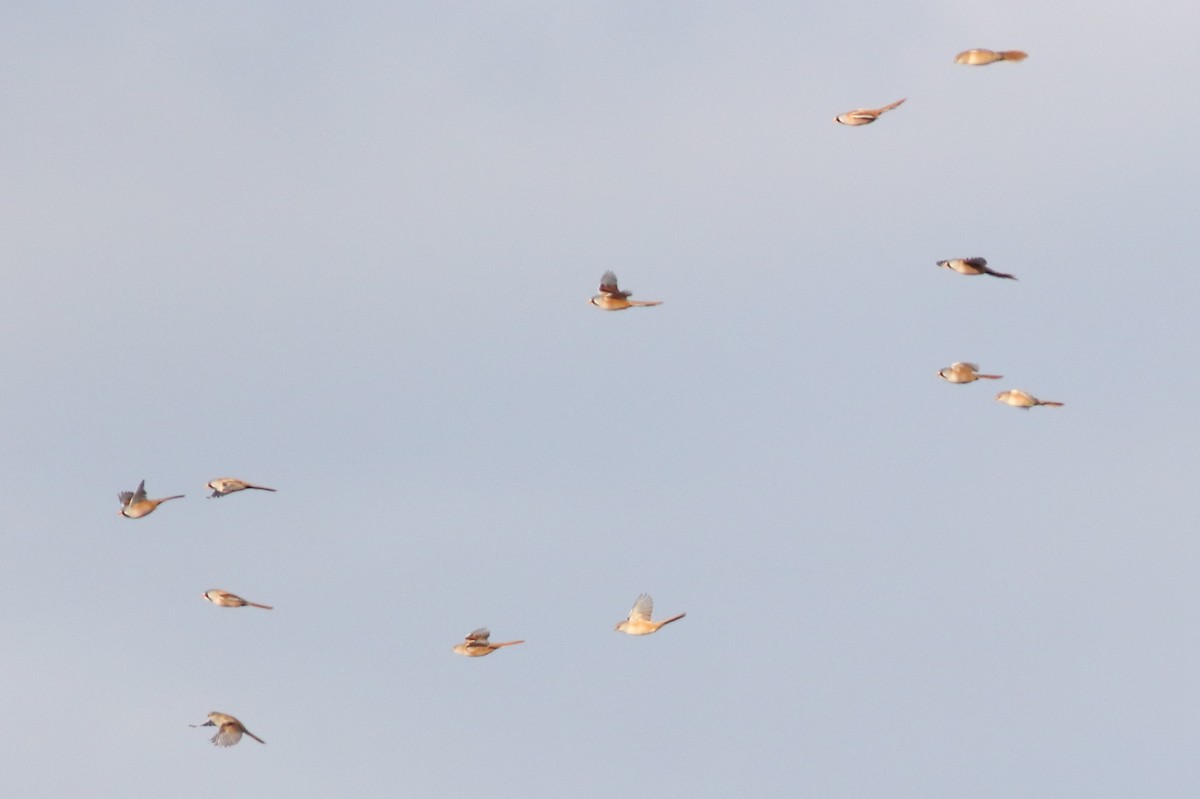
[(227, 485), (476, 644), (134, 504), (639, 622), (611, 298), (972, 266), (964, 373), (980, 57), (229, 729), (228, 600), (865, 116), (1023, 399)]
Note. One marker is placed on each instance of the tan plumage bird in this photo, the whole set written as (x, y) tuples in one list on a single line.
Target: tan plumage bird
[(476, 644), (964, 373), (980, 57), (639, 622), (229, 729), (227, 485), (1023, 399), (972, 266), (134, 504), (228, 600), (612, 298), (865, 116)]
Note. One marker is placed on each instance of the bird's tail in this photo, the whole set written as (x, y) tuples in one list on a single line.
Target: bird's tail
[(260, 488), (177, 496), (1051, 404), (256, 605), (994, 273), (665, 622), (252, 735), (1012, 55), (990, 377), (645, 303), (893, 105), (507, 643)]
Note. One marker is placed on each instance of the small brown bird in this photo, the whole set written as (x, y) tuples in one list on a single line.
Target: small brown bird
[(229, 729), (1023, 399), (476, 644), (964, 373), (612, 298), (639, 622), (227, 485), (865, 116), (228, 600), (980, 57), (972, 266), (134, 504)]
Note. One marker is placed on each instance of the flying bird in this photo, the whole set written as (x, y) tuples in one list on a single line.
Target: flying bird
[(972, 266), (134, 504), (865, 116), (228, 600), (476, 644), (639, 622), (980, 57), (1023, 399), (227, 485), (612, 298), (229, 729), (964, 373)]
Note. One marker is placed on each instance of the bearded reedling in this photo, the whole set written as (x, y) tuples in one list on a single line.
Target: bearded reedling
[(639, 622), (612, 298), (1023, 399), (865, 116), (964, 373), (476, 644), (227, 485), (227, 600), (134, 504), (981, 57), (972, 266), (229, 729)]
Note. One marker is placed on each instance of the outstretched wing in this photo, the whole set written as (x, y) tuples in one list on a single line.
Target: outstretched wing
[(140, 494), (642, 609), (228, 734), (479, 636), (978, 263), (125, 497)]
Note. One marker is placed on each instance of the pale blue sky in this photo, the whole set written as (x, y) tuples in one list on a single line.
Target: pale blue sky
[(347, 252)]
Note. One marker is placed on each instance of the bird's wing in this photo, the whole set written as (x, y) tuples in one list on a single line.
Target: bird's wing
[(976, 262), (960, 365), (140, 494), (608, 285), (642, 609), (125, 497), (479, 636), (229, 733)]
